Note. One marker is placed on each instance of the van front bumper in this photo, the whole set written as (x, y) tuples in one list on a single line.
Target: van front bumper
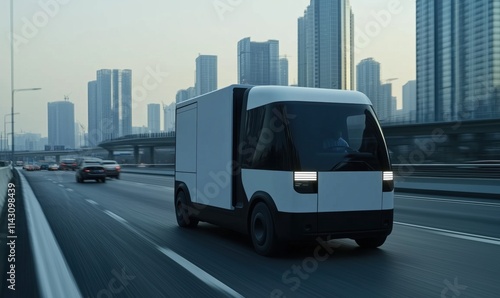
[(345, 224)]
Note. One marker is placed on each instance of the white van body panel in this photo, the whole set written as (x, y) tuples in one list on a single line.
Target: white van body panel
[(388, 200), (279, 185), (349, 191), (214, 152), (185, 159), (262, 95)]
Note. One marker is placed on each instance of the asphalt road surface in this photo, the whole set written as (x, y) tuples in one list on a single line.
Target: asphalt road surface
[(121, 239)]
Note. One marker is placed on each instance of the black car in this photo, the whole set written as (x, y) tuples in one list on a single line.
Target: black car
[(68, 164), (44, 166), (90, 169)]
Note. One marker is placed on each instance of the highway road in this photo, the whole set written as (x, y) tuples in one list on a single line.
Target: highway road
[(121, 239)]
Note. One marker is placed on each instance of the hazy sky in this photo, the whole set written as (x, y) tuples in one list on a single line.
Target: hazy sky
[(61, 43)]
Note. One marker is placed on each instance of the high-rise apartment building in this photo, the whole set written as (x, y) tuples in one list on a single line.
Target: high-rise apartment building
[(110, 105), (326, 45), (458, 62), (258, 62), (206, 74), (61, 123), (154, 117)]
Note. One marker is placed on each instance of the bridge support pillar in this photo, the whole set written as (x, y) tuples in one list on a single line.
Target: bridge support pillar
[(58, 159), (152, 154), (111, 154), (136, 154)]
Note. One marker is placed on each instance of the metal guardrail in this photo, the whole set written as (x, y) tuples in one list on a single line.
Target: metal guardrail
[(468, 170), (471, 170)]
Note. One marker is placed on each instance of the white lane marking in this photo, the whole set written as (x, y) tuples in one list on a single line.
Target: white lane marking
[(91, 202), (118, 218), (54, 276), (69, 189), (144, 184), (463, 202), (192, 268), (455, 234), (199, 273), (61, 185)]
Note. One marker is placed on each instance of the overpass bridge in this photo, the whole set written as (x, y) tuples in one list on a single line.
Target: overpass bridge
[(147, 141), (418, 143)]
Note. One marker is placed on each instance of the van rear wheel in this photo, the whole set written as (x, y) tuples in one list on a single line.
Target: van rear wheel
[(262, 231), (373, 242), (182, 212)]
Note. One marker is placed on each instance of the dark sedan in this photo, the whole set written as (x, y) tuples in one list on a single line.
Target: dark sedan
[(90, 170)]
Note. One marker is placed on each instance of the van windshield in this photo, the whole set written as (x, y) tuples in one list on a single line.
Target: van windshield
[(307, 136)]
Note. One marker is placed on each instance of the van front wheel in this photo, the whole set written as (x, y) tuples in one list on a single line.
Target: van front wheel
[(182, 212), (371, 242), (262, 231)]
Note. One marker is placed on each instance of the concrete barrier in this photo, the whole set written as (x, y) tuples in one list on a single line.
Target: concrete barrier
[(5, 176)]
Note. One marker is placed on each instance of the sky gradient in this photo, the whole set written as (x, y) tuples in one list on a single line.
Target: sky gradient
[(61, 44)]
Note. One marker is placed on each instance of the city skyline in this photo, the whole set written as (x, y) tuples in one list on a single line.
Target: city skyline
[(162, 57)]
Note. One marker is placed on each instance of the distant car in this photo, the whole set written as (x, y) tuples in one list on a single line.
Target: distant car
[(35, 167), (53, 167), (90, 169), (67, 164), (44, 166), (112, 168)]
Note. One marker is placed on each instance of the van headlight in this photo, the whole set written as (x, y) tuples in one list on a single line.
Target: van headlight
[(305, 182), (387, 181)]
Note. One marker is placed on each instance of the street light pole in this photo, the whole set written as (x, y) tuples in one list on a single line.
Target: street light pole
[(12, 118), (5, 147), (12, 73)]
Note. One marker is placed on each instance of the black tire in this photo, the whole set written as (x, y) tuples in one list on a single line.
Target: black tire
[(373, 242), (262, 231), (118, 177), (103, 180), (77, 180), (184, 219)]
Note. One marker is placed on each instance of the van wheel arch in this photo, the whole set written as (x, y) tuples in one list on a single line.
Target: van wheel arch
[(182, 191), (256, 198)]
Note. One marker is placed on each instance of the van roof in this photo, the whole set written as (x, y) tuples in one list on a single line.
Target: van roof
[(262, 95)]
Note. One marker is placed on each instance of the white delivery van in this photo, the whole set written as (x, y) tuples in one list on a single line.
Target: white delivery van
[(284, 164)]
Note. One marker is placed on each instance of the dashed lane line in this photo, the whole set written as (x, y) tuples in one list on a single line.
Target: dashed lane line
[(455, 234)]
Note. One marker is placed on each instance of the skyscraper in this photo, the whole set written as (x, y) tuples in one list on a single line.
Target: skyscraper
[(110, 102), (185, 94), (410, 101), (326, 45), (169, 117), (384, 103), (258, 62), (283, 78), (368, 81), (206, 74), (458, 64), (93, 138), (154, 117), (61, 116)]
